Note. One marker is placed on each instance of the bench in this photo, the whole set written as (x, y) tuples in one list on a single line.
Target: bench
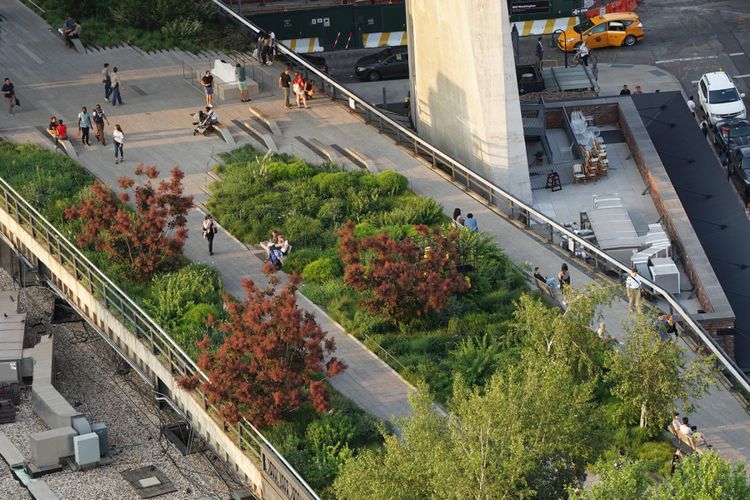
[(360, 158), (77, 44), (545, 288), (271, 124), (65, 145), (218, 128), (261, 136), (324, 150), (686, 440)]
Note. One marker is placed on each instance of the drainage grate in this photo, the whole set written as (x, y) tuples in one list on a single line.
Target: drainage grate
[(148, 481)]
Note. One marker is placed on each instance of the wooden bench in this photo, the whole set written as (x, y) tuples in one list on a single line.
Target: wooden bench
[(65, 145), (271, 124), (260, 135), (324, 150), (360, 158), (77, 44), (686, 440), (545, 288)]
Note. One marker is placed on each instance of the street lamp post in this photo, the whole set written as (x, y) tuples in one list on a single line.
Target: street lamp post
[(565, 43)]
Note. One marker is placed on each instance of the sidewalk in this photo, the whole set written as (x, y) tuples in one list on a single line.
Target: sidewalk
[(164, 139)]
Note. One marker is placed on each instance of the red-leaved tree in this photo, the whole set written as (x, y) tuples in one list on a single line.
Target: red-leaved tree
[(271, 361), (144, 240), (405, 278)]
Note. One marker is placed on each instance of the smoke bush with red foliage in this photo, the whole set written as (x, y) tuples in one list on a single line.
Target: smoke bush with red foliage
[(145, 240), (271, 360), (406, 280)]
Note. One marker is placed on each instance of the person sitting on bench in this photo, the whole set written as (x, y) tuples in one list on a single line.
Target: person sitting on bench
[(52, 127), (76, 33), (67, 29), (62, 132), (206, 121)]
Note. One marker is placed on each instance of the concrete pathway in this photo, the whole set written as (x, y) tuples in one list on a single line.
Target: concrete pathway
[(64, 81)]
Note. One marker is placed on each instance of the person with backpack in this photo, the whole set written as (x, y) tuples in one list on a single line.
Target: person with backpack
[(99, 118), (209, 231)]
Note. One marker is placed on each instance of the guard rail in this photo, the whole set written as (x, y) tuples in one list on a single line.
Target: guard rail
[(499, 200), (248, 437)]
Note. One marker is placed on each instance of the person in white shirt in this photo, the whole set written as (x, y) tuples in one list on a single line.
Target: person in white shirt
[(633, 291), (583, 53), (685, 427), (691, 105), (676, 422), (118, 138)]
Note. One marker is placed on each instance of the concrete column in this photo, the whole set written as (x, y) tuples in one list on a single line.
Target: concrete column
[(464, 92)]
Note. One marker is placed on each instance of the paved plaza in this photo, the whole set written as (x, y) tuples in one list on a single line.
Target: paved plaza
[(158, 101)]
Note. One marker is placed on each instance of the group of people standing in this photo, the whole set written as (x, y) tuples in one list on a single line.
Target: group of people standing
[(304, 90)]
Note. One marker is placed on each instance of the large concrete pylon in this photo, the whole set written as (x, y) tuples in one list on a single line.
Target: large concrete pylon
[(464, 92)]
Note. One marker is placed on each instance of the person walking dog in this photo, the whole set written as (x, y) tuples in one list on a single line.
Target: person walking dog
[(209, 231)]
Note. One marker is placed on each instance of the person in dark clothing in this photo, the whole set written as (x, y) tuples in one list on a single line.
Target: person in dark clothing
[(209, 231), (563, 277), (285, 83), (539, 52), (9, 93), (625, 90)]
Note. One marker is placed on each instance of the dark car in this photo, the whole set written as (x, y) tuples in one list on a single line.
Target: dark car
[(392, 62), (317, 61), (731, 133), (739, 167)]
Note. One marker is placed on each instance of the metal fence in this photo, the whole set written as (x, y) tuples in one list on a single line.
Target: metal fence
[(535, 223), (159, 342)]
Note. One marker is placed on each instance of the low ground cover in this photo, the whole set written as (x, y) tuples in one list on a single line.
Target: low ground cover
[(190, 25)]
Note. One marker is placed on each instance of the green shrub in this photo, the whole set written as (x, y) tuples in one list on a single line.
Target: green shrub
[(342, 309), (657, 454), (182, 28), (304, 231), (392, 183), (172, 295), (412, 210), (196, 316), (332, 429), (332, 212), (297, 260), (366, 324), (334, 184), (323, 293), (323, 269), (476, 359)]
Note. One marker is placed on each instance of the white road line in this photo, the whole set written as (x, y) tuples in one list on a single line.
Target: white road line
[(685, 59), (735, 54)]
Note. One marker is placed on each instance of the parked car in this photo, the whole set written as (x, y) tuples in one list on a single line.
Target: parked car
[(731, 133), (391, 62), (719, 99), (317, 61), (739, 167), (609, 30)]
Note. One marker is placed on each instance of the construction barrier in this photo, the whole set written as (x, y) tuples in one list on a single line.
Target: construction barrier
[(544, 26), (304, 45), (391, 38), (600, 8)]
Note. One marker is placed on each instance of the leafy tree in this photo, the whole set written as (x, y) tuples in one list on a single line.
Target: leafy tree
[(705, 476), (625, 480), (270, 361), (650, 374), (405, 278), (506, 441), (145, 240)]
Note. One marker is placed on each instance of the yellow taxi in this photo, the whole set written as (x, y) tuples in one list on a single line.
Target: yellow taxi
[(609, 30)]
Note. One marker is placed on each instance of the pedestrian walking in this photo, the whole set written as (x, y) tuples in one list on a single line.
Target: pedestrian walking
[(99, 118), (209, 231), (241, 76), (271, 47), (9, 93), (299, 89), (539, 52), (84, 126), (691, 105), (625, 90), (107, 81), (116, 87), (207, 82), (633, 291), (119, 139), (583, 53), (285, 82), (704, 127)]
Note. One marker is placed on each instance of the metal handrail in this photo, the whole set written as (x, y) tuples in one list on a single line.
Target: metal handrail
[(495, 191), (84, 268)]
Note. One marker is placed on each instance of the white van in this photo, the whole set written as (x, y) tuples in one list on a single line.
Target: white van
[(719, 99)]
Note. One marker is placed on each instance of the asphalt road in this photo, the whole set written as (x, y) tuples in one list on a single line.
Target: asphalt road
[(685, 37)]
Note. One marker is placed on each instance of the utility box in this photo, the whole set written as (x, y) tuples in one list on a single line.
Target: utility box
[(100, 428), (86, 449), (48, 447)]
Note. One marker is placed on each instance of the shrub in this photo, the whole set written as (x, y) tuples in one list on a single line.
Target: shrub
[(335, 184), (323, 269), (332, 429), (304, 231), (332, 212), (366, 324), (172, 295), (298, 259), (323, 293), (392, 183), (182, 28), (412, 210)]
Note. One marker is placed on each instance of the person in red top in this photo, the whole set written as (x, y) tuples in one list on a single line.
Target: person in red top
[(299, 89), (62, 131)]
